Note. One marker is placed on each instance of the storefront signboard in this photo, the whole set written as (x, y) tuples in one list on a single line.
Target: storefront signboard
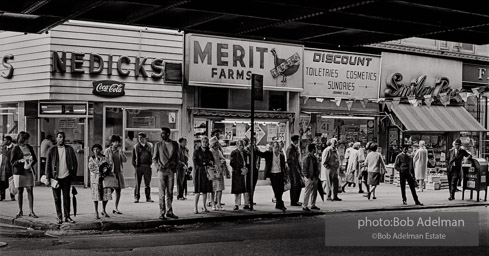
[(228, 132), (240, 131), (229, 62), (325, 126), (476, 75), (108, 88), (405, 75), (331, 74)]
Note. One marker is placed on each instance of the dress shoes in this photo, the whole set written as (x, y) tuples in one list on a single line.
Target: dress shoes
[(149, 200), (419, 203), (306, 209), (246, 207), (404, 202), (69, 220), (236, 208), (451, 198), (337, 199), (162, 217), (136, 201), (315, 208), (295, 204), (171, 215)]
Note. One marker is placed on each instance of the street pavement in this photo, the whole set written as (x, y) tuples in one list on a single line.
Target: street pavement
[(145, 215), (290, 236)]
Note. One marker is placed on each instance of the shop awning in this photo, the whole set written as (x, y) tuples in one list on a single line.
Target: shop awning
[(437, 119), (211, 112)]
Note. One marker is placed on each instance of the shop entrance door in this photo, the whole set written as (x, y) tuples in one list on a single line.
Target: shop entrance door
[(76, 131)]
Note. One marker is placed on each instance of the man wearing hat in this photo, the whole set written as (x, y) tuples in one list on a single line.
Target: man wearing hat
[(454, 168), (141, 160)]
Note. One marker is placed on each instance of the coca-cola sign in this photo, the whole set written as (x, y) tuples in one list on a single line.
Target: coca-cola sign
[(108, 88)]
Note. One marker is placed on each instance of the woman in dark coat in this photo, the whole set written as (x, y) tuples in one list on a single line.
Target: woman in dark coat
[(240, 164), (202, 158), (22, 160)]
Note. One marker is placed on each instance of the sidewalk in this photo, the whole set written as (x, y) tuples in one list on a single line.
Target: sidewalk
[(145, 215)]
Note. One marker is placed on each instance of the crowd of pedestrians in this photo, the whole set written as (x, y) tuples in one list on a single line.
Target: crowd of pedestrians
[(287, 169)]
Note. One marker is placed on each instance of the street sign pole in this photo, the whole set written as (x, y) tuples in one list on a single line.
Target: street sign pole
[(256, 94)]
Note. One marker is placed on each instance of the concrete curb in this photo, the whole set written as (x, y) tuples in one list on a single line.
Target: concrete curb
[(151, 224)]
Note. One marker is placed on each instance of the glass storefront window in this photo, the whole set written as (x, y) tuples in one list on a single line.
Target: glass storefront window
[(9, 120), (51, 108), (113, 123)]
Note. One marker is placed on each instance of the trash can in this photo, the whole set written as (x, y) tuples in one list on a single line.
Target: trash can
[(475, 177)]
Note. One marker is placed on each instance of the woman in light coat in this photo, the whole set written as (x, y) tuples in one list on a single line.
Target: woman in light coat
[(420, 160), (353, 165), (116, 157)]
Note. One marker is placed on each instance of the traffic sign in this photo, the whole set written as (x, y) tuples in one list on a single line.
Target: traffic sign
[(258, 131)]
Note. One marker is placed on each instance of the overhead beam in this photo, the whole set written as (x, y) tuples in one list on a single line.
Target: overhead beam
[(146, 14), (35, 6), (73, 15)]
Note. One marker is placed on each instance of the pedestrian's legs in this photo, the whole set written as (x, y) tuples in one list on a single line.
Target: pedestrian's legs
[(117, 198), (169, 192), (307, 193), (219, 197), (20, 199), (402, 179), (65, 185), (196, 203), (453, 183), (334, 183), (57, 201), (314, 192), (246, 197), (104, 206), (137, 187), (237, 199), (161, 193), (412, 186), (95, 205), (147, 173), (180, 176), (3, 187), (30, 197), (449, 176), (204, 199)]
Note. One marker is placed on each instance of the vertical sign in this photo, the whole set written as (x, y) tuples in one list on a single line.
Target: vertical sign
[(257, 86)]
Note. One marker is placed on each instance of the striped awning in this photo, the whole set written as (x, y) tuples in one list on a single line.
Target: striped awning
[(436, 119)]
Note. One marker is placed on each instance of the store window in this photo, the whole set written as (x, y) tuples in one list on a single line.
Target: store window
[(9, 120)]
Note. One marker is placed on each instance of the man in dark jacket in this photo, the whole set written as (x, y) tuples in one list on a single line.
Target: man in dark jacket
[(310, 170), (404, 164), (454, 168), (182, 169), (6, 167), (295, 171), (275, 170), (142, 154), (61, 165)]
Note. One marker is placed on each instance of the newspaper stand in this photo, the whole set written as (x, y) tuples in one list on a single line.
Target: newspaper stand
[(475, 177)]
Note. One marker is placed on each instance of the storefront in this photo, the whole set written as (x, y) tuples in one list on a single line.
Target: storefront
[(339, 99), (218, 95), (475, 80), (424, 101), (93, 81)]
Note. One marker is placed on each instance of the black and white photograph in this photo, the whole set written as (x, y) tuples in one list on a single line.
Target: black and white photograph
[(259, 127)]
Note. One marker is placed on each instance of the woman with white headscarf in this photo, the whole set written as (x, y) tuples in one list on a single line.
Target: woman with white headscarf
[(420, 160)]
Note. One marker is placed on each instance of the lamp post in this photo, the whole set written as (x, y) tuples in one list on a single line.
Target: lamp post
[(256, 94)]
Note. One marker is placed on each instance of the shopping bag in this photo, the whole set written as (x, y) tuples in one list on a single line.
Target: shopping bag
[(11, 186)]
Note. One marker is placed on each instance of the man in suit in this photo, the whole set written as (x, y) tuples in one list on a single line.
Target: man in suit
[(331, 162), (454, 160), (295, 171), (61, 165), (310, 170), (142, 154), (404, 164), (275, 170), (166, 159), (6, 167)]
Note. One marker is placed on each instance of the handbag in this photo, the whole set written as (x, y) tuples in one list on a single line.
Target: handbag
[(211, 172), (110, 182)]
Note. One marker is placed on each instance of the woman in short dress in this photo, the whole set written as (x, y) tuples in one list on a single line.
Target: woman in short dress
[(116, 157), (202, 158), (220, 165), (375, 166), (99, 193), (23, 159)]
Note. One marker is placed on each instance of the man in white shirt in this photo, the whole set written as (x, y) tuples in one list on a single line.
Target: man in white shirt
[(61, 165)]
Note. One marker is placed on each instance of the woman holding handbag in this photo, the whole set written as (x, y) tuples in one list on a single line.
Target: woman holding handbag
[(240, 164), (116, 157), (203, 159), (22, 160), (220, 167), (99, 192)]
